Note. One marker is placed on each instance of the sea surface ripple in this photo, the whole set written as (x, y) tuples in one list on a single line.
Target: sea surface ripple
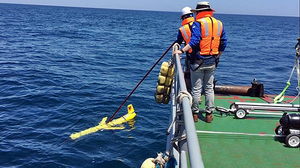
[(63, 69)]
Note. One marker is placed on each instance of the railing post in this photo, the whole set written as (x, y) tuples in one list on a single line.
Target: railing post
[(192, 138)]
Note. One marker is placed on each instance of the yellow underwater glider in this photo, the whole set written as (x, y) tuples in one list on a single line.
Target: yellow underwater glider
[(113, 125)]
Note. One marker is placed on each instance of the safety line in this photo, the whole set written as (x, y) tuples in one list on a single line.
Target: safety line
[(140, 82)]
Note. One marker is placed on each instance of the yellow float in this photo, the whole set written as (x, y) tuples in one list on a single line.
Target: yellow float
[(113, 125), (164, 82)]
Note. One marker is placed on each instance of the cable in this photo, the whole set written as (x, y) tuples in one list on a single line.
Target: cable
[(140, 82)]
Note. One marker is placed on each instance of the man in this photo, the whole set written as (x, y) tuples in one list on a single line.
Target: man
[(184, 35), (209, 40)]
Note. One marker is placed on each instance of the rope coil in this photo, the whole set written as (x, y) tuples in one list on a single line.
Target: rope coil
[(183, 94), (176, 46), (161, 161)]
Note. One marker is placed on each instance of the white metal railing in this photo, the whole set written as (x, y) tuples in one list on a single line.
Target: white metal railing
[(182, 139)]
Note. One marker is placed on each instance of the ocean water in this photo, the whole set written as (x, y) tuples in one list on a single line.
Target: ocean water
[(63, 69)]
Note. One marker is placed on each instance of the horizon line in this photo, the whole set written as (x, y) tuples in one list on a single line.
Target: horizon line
[(142, 9)]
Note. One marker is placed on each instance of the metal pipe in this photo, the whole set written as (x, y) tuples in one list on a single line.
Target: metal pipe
[(265, 106), (265, 113), (183, 159), (172, 115), (233, 90), (192, 138), (269, 108)]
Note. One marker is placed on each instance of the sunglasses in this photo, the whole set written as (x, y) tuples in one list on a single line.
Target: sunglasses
[(186, 16)]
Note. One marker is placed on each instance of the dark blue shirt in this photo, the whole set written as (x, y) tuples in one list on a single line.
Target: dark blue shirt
[(180, 40)]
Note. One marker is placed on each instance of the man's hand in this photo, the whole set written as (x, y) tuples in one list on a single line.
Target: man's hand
[(177, 52)]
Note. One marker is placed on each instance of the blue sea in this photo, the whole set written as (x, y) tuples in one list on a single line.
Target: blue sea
[(63, 69)]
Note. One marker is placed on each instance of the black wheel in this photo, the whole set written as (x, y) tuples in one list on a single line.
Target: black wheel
[(240, 113), (278, 130), (292, 140)]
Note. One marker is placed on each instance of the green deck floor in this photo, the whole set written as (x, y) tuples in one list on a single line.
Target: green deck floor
[(230, 142)]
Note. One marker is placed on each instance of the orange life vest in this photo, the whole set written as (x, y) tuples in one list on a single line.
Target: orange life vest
[(186, 31), (211, 31)]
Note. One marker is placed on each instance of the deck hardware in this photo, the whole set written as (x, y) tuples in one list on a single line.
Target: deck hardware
[(293, 140)]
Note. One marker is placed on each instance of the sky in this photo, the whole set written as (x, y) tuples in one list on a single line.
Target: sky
[(248, 7)]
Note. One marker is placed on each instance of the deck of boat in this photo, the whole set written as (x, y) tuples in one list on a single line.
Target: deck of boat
[(249, 142)]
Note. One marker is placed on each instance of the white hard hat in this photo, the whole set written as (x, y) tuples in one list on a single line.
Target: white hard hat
[(186, 10)]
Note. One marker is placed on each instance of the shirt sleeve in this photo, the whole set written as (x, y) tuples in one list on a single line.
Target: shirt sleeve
[(196, 36), (179, 39), (223, 41)]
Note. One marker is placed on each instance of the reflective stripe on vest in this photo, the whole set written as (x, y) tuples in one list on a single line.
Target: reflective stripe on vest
[(186, 33), (211, 31)]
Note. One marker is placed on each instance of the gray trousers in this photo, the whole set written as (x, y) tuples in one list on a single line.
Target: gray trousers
[(203, 77)]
